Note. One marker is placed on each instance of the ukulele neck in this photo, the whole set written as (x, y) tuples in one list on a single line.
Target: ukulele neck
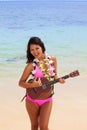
[(57, 80)]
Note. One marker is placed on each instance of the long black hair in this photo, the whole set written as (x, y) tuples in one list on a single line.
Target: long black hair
[(36, 41)]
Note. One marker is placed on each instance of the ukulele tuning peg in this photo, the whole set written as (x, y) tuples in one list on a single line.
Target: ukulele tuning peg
[(75, 73)]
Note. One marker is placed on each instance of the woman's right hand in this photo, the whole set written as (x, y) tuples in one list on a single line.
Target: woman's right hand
[(37, 82)]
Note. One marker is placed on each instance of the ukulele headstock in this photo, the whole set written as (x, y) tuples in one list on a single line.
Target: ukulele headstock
[(74, 73)]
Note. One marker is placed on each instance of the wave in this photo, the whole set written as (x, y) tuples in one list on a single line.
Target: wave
[(15, 59)]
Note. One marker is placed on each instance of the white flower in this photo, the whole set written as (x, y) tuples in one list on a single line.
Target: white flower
[(51, 61), (34, 64), (51, 68), (51, 79), (36, 60), (32, 77), (53, 74), (34, 71)]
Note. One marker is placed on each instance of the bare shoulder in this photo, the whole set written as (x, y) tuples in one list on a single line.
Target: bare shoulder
[(53, 58), (29, 67)]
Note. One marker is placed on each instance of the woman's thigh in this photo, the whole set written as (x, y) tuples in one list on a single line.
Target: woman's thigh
[(33, 111), (45, 112)]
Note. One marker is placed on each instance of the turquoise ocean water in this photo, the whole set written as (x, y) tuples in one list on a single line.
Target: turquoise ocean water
[(61, 25)]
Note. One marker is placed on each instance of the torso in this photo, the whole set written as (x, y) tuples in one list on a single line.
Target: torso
[(46, 69)]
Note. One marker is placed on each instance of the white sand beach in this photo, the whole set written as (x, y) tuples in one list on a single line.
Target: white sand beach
[(69, 106)]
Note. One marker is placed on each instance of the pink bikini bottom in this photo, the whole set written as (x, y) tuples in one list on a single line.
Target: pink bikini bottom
[(38, 102)]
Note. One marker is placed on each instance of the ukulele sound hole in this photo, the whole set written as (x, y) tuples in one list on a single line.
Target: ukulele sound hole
[(44, 86)]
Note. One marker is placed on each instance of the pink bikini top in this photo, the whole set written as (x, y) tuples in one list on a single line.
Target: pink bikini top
[(39, 74)]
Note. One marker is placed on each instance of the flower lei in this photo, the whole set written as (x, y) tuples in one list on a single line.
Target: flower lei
[(45, 67)]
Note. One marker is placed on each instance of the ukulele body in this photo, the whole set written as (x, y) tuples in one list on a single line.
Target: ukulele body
[(41, 92)]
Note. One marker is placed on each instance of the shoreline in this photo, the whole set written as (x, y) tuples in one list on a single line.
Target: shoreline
[(69, 105)]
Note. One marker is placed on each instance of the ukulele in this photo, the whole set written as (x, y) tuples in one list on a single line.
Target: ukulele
[(46, 85)]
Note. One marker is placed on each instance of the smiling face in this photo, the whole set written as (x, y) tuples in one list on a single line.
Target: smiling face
[(36, 51)]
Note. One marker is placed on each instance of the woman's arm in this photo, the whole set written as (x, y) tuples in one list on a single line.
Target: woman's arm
[(24, 77), (55, 71), (23, 80)]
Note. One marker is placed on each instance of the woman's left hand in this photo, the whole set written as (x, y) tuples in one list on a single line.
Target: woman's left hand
[(61, 80)]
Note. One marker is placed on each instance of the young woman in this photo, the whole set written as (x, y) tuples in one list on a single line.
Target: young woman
[(39, 66)]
